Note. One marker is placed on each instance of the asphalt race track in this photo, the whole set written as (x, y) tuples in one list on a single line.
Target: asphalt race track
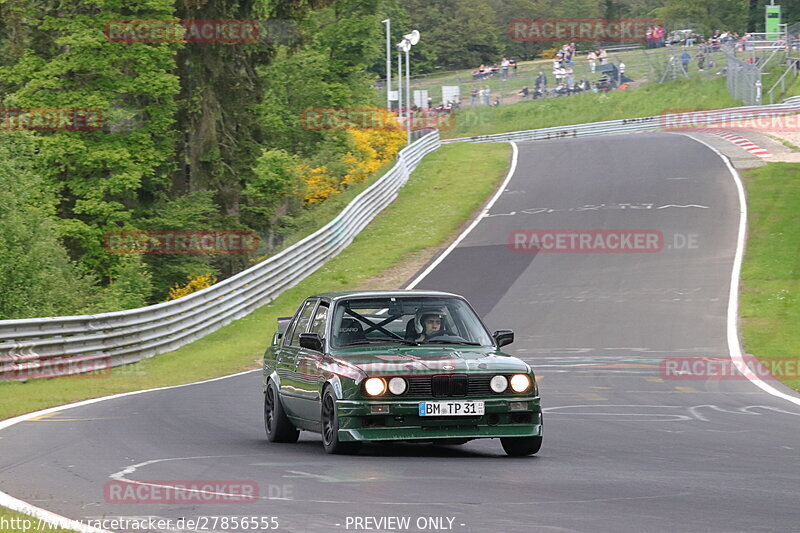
[(628, 447)]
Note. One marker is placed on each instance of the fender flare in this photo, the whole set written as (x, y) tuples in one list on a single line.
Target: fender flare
[(274, 378), (335, 385)]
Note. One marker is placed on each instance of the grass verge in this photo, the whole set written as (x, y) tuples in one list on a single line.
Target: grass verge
[(649, 100), (446, 188), (770, 289)]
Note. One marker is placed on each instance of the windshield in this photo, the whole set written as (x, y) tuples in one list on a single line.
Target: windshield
[(407, 320)]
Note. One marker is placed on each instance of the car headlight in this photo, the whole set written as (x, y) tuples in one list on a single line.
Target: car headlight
[(375, 386), (498, 384), (520, 382), (397, 386)]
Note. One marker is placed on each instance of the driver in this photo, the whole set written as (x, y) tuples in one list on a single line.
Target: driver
[(430, 324)]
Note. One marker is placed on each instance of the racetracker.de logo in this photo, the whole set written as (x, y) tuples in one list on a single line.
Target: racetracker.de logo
[(75, 367), (584, 30), (182, 31), (181, 242), (50, 119), (753, 119), (178, 491), (586, 241), (724, 368)]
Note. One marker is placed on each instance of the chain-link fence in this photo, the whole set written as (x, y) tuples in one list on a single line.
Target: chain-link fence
[(744, 80), (546, 79), (756, 76)]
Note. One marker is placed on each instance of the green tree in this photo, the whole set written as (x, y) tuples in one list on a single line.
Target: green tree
[(457, 34), (68, 62), (707, 16), (36, 274)]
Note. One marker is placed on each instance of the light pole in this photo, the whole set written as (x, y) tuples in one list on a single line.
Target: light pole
[(388, 23), (400, 80), (409, 40)]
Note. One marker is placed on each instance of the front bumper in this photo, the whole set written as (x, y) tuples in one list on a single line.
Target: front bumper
[(402, 421)]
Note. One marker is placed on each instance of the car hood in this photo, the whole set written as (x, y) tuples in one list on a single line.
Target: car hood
[(432, 360)]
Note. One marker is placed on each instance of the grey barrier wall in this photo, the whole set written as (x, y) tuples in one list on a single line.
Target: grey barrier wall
[(42, 347)]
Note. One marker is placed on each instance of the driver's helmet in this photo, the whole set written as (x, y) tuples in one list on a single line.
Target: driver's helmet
[(425, 312)]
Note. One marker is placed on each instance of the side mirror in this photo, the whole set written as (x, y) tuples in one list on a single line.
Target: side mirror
[(503, 337), (312, 341)]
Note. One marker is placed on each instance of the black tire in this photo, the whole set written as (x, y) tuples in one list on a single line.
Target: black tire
[(519, 446), (330, 427), (276, 423)]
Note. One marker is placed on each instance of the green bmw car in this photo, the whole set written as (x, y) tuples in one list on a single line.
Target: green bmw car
[(403, 365)]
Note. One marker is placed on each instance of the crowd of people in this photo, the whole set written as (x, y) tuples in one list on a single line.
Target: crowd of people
[(506, 66), (611, 76)]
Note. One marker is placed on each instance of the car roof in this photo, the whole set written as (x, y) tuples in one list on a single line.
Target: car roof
[(343, 295)]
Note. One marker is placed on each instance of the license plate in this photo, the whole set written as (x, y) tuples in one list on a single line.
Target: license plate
[(450, 408)]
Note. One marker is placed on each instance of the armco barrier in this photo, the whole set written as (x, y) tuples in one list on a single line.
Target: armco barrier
[(31, 347), (633, 125)]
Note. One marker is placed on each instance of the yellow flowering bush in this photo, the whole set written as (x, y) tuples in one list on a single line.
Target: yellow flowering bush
[(319, 183), (372, 148), (195, 284)]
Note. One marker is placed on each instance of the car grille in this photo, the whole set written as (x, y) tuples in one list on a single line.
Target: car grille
[(448, 386)]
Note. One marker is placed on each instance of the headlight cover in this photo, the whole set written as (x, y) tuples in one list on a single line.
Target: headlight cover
[(397, 386), (520, 382), (375, 386), (499, 384)]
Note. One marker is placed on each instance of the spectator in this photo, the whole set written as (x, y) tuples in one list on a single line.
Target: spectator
[(685, 58), (701, 60), (487, 95), (505, 64), (474, 95), (602, 55), (541, 80), (524, 92), (592, 58), (514, 64)]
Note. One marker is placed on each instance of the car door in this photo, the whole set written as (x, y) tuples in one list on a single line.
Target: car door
[(287, 363), (309, 364)]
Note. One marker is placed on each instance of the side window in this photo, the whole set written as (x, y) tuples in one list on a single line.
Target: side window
[(320, 321), (301, 323)]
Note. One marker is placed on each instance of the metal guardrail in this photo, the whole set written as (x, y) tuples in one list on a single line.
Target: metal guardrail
[(644, 124), (72, 344), (793, 65)]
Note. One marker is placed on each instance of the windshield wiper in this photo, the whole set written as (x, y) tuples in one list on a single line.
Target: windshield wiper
[(448, 341), (396, 339), (380, 339)]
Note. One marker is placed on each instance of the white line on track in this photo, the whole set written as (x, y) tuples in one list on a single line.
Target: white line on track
[(734, 346), (6, 500), (484, 212)]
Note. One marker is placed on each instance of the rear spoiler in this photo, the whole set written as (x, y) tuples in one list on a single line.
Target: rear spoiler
[(283, 323)]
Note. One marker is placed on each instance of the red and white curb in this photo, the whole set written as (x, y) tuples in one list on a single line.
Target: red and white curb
[(745, 144)]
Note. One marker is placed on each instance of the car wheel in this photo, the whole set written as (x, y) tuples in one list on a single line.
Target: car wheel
[(330, 427), (519, 446), (276, 423)]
